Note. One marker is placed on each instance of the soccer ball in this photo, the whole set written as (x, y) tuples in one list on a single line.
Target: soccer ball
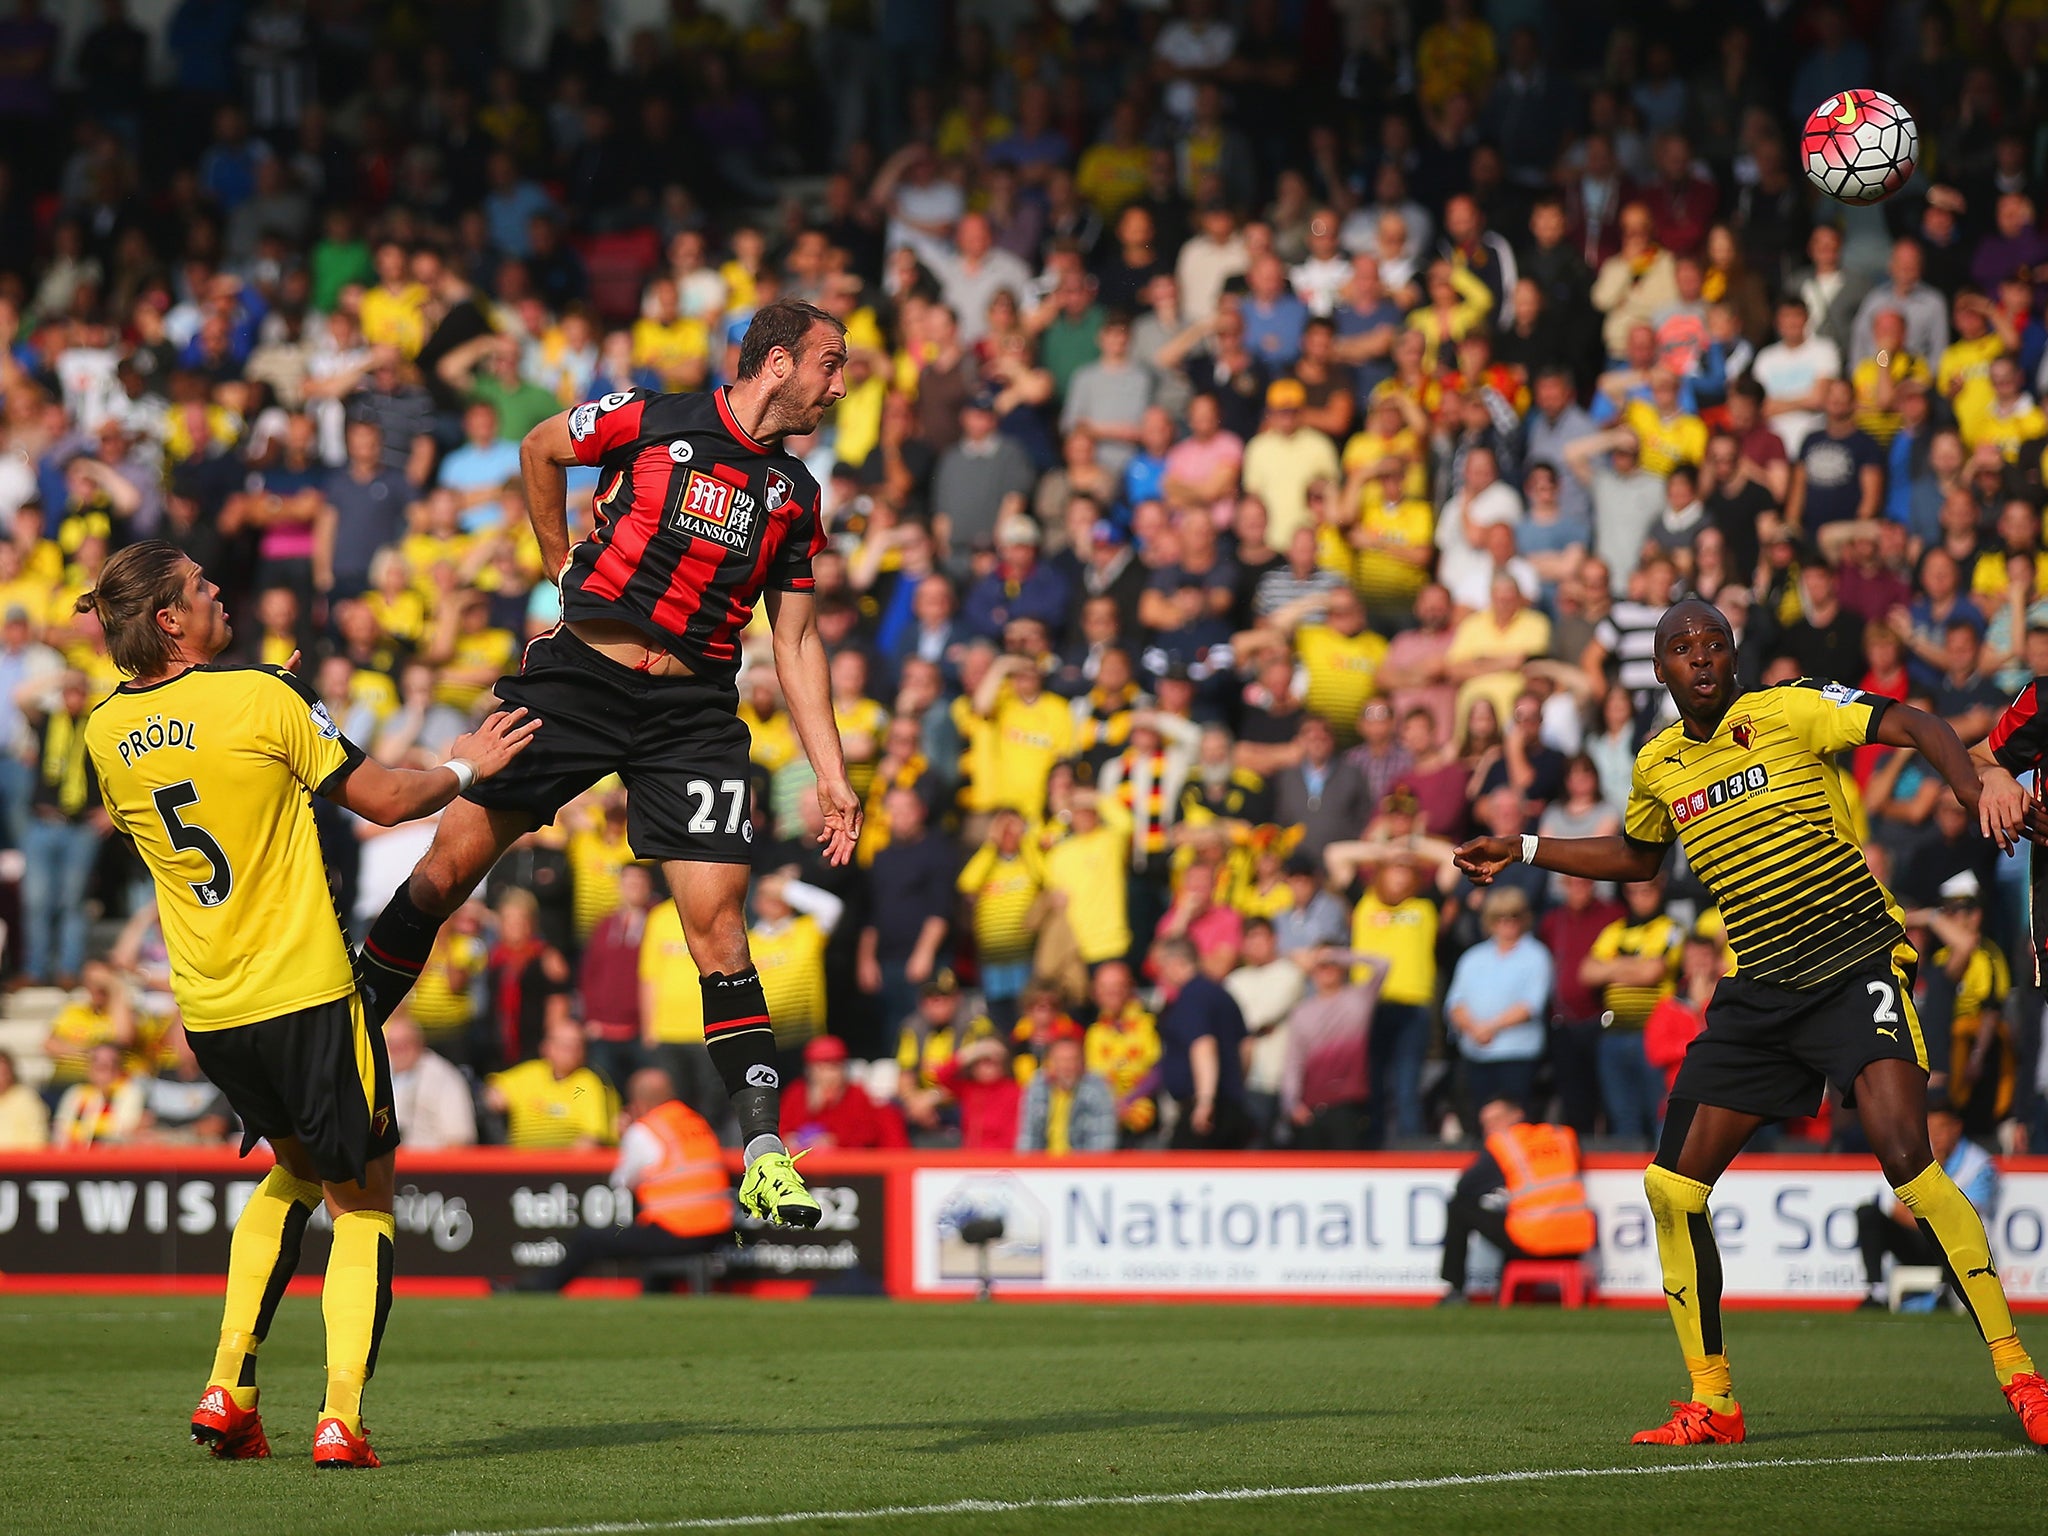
[(1859, 146)]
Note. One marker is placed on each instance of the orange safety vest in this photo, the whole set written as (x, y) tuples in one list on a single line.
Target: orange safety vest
[(1547, 1211), (687, 1192)]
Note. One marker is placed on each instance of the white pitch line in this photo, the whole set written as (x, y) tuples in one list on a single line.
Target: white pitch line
[(1229, 1495)]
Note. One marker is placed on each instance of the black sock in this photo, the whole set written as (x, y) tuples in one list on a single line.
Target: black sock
[(742, 1046), (393, 955)]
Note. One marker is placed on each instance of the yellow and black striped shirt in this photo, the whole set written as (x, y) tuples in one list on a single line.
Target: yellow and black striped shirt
[(1659, 937), (1761, 811)]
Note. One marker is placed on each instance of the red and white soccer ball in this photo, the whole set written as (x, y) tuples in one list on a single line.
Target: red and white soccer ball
[(1859, 146)]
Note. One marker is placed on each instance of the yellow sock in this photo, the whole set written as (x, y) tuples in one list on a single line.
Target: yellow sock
[(1711, 1383), (261, 1258), (355, 1302), (1692, 1281), (1947, 1213)]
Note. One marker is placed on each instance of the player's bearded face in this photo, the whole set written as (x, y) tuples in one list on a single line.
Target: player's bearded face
[(815, 384)]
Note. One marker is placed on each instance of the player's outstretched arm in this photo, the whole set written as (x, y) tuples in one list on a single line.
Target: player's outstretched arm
[(1991, 795), (802, 669), (1596, 858), (388, 796)]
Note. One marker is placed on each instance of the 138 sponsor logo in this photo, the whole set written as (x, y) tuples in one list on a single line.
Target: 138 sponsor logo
[(1746, 781)]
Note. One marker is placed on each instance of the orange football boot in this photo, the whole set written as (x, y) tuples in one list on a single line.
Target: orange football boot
[(334, 1446), (1695, 1424), (2028, 1394), (229, 1432)]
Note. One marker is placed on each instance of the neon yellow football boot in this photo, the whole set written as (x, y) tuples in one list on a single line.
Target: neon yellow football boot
[(774, 1191)]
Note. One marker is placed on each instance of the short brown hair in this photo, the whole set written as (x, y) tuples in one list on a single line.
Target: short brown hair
[(135, 586), (786, 324)]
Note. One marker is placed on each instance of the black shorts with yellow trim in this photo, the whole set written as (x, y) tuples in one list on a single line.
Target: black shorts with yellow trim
[(1771, 1051), (676, 741), (318, 1075)]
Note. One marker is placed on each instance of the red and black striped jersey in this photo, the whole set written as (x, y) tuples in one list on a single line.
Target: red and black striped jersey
[(694, 519), (2019, 739)]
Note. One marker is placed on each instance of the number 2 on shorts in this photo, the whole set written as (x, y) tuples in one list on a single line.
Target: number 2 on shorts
[(1887, 1009), (701, 791)]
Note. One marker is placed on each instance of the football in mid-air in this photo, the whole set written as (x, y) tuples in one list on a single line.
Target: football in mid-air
[(1859, 146)]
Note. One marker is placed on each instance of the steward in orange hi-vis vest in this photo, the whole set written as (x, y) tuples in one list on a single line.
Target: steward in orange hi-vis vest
[(670, 1159), (1547, 1214), (687, 1192)]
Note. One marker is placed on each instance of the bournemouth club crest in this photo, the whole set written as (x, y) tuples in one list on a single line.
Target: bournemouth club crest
[(778, 490)]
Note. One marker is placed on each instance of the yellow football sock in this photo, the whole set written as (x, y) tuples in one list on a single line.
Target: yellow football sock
[(355, 1303), (261, 1258), (1692, 1281), (1946, 1212)]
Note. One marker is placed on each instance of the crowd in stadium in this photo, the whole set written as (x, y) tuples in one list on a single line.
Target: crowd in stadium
[(1272, 436)]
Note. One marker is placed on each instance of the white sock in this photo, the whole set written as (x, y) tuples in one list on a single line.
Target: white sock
[(761, 1146)]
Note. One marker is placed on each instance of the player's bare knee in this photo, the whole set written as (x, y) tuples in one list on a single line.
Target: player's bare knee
[(721, 948), (437, 887), (373, 1194), (1904, 1160)]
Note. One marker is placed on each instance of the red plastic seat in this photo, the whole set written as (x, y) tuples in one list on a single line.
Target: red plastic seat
[(1572, 1279), (617, 265)]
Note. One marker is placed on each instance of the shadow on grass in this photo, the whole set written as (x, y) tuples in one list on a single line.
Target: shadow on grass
[(1973, 1425), (958, 1435)]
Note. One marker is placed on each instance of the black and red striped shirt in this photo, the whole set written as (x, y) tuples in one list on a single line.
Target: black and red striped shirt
[(694, 520), (2019, 739)]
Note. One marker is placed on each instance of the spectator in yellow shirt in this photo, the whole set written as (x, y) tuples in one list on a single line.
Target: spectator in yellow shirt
[(598, 849), (105, 1110), (1668, 435), (105, 1015), (672, 1016), (1394, 542), (1964, 372), (773, 736), (2011, 418), (1459, 302), (394, 312), (1114, 171), (1341, 657), (1086, 872), (793, 923), (931, 1037), (471, 652), (860, 719), (1455, 56), (674, 345), (1030, 730), (1489, 648), (443, 1000), (1122, 1046), (1388, 434), (1002, 883), (1877, 389), (24, 1118), (555, 1102), (1395, 921)]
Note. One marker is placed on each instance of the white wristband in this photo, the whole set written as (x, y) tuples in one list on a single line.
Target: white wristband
[(1528, 847), (464, 771)]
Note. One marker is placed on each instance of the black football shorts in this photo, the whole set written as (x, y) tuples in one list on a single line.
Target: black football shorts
[(319, 1075), (1771, 1051), (677, 742)]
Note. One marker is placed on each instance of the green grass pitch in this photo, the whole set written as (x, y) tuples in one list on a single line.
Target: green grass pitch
[(521, 1414)]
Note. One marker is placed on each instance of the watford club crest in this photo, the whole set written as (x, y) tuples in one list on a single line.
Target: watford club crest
[(1743, 732)]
